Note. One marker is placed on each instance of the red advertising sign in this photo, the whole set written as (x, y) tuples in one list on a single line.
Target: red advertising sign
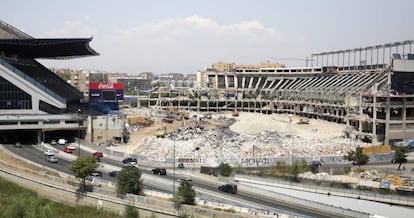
[(106, 86)]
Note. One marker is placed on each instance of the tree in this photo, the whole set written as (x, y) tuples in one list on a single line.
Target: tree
[(299, 166), (185, 193), (358, 157), (225, 169), (129, 181), (83, 167), (400, 156), (131, 212)]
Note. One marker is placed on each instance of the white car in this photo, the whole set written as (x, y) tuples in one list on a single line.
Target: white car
[(61, 141), (49, 152), (71, 146), (52, 159)]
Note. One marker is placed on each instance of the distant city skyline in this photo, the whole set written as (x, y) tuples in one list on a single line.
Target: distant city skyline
[(185, 36)]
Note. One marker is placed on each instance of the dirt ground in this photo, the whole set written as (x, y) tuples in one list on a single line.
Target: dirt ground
[(246, 123)]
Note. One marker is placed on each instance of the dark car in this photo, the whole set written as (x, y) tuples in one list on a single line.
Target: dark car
[(159, 171), (359, 162), (181, 165), (394, 161), (129, 161), (114, 173), (229, 188)]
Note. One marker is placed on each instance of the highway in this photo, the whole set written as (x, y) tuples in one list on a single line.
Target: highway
[(36, 155)]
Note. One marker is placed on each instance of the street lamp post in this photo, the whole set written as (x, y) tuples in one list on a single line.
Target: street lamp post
[(174, 169), (195, 149), (79, 110), (43, 147)]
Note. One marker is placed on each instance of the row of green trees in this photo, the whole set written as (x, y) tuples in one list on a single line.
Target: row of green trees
[(358, 157), (129, 180)]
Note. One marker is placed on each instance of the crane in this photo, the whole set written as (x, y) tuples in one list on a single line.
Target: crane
[(296, 59)]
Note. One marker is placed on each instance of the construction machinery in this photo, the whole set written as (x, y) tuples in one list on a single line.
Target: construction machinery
[(160, 133), (300, 120), (139, 121)]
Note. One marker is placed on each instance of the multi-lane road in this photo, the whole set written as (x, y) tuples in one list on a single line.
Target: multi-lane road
[(36, 155)]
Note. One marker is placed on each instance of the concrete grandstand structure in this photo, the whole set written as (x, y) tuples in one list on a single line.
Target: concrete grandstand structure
[(35, 103), (370, 89)]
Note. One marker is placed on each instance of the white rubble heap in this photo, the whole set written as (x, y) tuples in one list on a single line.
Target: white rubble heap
[(226, 143)]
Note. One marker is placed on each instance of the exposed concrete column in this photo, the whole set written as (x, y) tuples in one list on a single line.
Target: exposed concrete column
[(258, 82), (374, 120), (250, 82), (388, 112), (226, 81), (216, 81), (404, 117), (236, 83), (243, 82), (360, 113)]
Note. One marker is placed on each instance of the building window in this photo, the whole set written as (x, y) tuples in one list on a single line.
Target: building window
[(12, 97)]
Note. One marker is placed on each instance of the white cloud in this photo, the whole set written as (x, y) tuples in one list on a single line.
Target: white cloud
[(180, 30), (175, 45), (73, 29)]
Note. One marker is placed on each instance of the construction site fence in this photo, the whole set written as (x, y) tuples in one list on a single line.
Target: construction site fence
[(376, 156)]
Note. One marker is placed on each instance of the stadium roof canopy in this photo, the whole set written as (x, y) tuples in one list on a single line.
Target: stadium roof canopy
[(48, 48)]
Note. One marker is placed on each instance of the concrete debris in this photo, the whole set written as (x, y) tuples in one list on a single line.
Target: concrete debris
[(225, 143), (318, 176)]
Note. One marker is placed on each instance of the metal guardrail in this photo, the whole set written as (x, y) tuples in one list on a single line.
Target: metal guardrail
[(84, 195), (350, 193)]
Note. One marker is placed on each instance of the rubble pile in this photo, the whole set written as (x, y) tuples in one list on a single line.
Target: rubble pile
[(200, 142), (318, 176)]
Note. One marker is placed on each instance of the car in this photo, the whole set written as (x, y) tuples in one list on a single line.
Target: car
[(159, 171), (61, 141), (49, 152), (394, 161), (229, 188), (129, 161), (97, 154), (96, 174), (52, 159), (18, 145), (67, 150), (359, 162), (167, 119), (114, 173), (53, 142), (71, 146)]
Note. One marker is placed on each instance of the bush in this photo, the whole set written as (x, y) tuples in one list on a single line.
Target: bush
[(225, 169), (131, 212)]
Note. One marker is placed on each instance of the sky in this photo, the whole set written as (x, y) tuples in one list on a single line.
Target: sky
[(185, 36)]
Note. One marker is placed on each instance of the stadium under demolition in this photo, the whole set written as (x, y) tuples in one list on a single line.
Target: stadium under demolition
[(370, 89)]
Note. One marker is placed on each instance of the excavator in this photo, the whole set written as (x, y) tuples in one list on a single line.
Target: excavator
[(301, 120), (160, 133)]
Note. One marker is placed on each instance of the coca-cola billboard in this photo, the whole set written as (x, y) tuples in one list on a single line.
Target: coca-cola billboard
[(106, 92), (106, 86)]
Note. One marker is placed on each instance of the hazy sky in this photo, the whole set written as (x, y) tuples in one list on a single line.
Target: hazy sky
[(184, 36)]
